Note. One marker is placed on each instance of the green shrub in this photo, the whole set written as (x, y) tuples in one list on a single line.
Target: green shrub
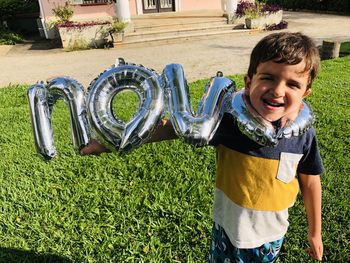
[(63, 13), (8, 8), (118, 26), (78, 44), (254, 10), (341, 6), (9, 38)]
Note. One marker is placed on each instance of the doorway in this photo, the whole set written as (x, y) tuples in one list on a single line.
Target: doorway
[(158, 6)]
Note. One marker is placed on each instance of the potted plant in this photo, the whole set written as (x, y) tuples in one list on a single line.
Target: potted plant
[(63, 13), (80, 35), (116, 31), (258, 15)]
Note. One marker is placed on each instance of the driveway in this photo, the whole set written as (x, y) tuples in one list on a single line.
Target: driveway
[(201, 58)]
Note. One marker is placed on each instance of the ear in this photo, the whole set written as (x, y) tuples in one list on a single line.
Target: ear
[(307, 92), (247, 83)]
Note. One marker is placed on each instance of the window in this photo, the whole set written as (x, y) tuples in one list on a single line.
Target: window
[(89, 2), (93, 2)]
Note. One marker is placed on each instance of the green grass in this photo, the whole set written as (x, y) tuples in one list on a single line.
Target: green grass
[(154, 204), (344, 49)]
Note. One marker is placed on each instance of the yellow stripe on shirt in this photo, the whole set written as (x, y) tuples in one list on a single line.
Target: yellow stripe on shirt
[(251, 181)]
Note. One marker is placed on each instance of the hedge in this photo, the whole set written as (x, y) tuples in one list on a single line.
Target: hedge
[(9, 8), (339, 6)]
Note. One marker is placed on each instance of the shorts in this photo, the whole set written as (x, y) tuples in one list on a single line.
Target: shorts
[(223, 251)]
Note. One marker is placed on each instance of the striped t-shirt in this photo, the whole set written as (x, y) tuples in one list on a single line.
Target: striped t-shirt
[(255, 185)]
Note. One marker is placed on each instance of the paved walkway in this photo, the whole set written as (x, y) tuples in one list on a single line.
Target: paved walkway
[(200, 58)]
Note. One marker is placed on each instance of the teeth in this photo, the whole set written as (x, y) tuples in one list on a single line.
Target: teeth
[(274, 104)]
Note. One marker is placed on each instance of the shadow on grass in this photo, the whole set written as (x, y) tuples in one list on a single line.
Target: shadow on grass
[(10, 255), (344, 49)]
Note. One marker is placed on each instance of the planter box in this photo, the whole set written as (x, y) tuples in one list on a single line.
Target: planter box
[(265, 20), (84, 35), (238, 22)]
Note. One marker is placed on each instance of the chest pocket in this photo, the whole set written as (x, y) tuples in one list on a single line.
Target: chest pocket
[(287, 167)]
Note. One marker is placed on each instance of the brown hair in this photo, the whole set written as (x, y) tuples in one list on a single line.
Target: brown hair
[(286, 48)]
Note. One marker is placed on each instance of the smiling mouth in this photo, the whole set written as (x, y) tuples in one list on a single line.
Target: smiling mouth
[(273, 104)]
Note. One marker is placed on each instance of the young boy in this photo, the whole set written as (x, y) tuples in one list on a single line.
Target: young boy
[(255, 185)]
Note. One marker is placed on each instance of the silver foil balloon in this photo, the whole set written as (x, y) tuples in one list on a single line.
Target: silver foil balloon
[(259, 130), (197, 128), (156, 94), (113, 132), (297, 127), (41, 101), (41, 120)]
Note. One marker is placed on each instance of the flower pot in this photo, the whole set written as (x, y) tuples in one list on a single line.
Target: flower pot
[(118, 37), (264, 21)]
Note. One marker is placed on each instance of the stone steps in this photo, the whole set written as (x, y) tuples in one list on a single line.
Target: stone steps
[(144, 21), (176, 39), (176, 26), (178, 23), (175, 33)]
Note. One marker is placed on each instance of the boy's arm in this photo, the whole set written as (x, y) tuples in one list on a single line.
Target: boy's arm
[(312, 195), (94, 147), (164, 131)]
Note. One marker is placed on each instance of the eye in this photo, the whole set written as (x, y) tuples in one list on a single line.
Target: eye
[(294, 85), (265, 77)]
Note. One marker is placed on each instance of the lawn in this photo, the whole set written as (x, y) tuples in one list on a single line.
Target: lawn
[(154, 204)]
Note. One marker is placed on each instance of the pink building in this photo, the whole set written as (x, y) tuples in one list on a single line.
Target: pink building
[(138, 7), (88, 10)]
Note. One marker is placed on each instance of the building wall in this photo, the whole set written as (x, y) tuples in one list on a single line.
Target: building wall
[(133, 7), (107, 12), (180, 5), (81, 12), (187, 5)]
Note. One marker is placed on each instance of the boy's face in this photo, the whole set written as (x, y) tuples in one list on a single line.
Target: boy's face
[(276, 90)]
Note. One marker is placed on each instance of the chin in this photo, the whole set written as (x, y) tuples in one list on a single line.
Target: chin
[(271, 118)]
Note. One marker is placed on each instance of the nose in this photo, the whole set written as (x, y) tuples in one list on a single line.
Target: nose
[(278, 90)]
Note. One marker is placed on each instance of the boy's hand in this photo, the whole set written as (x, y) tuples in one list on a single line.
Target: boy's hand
[(94, 147), (316, 247)]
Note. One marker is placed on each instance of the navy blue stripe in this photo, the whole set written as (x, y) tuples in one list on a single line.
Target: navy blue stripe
[(229, 135)]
